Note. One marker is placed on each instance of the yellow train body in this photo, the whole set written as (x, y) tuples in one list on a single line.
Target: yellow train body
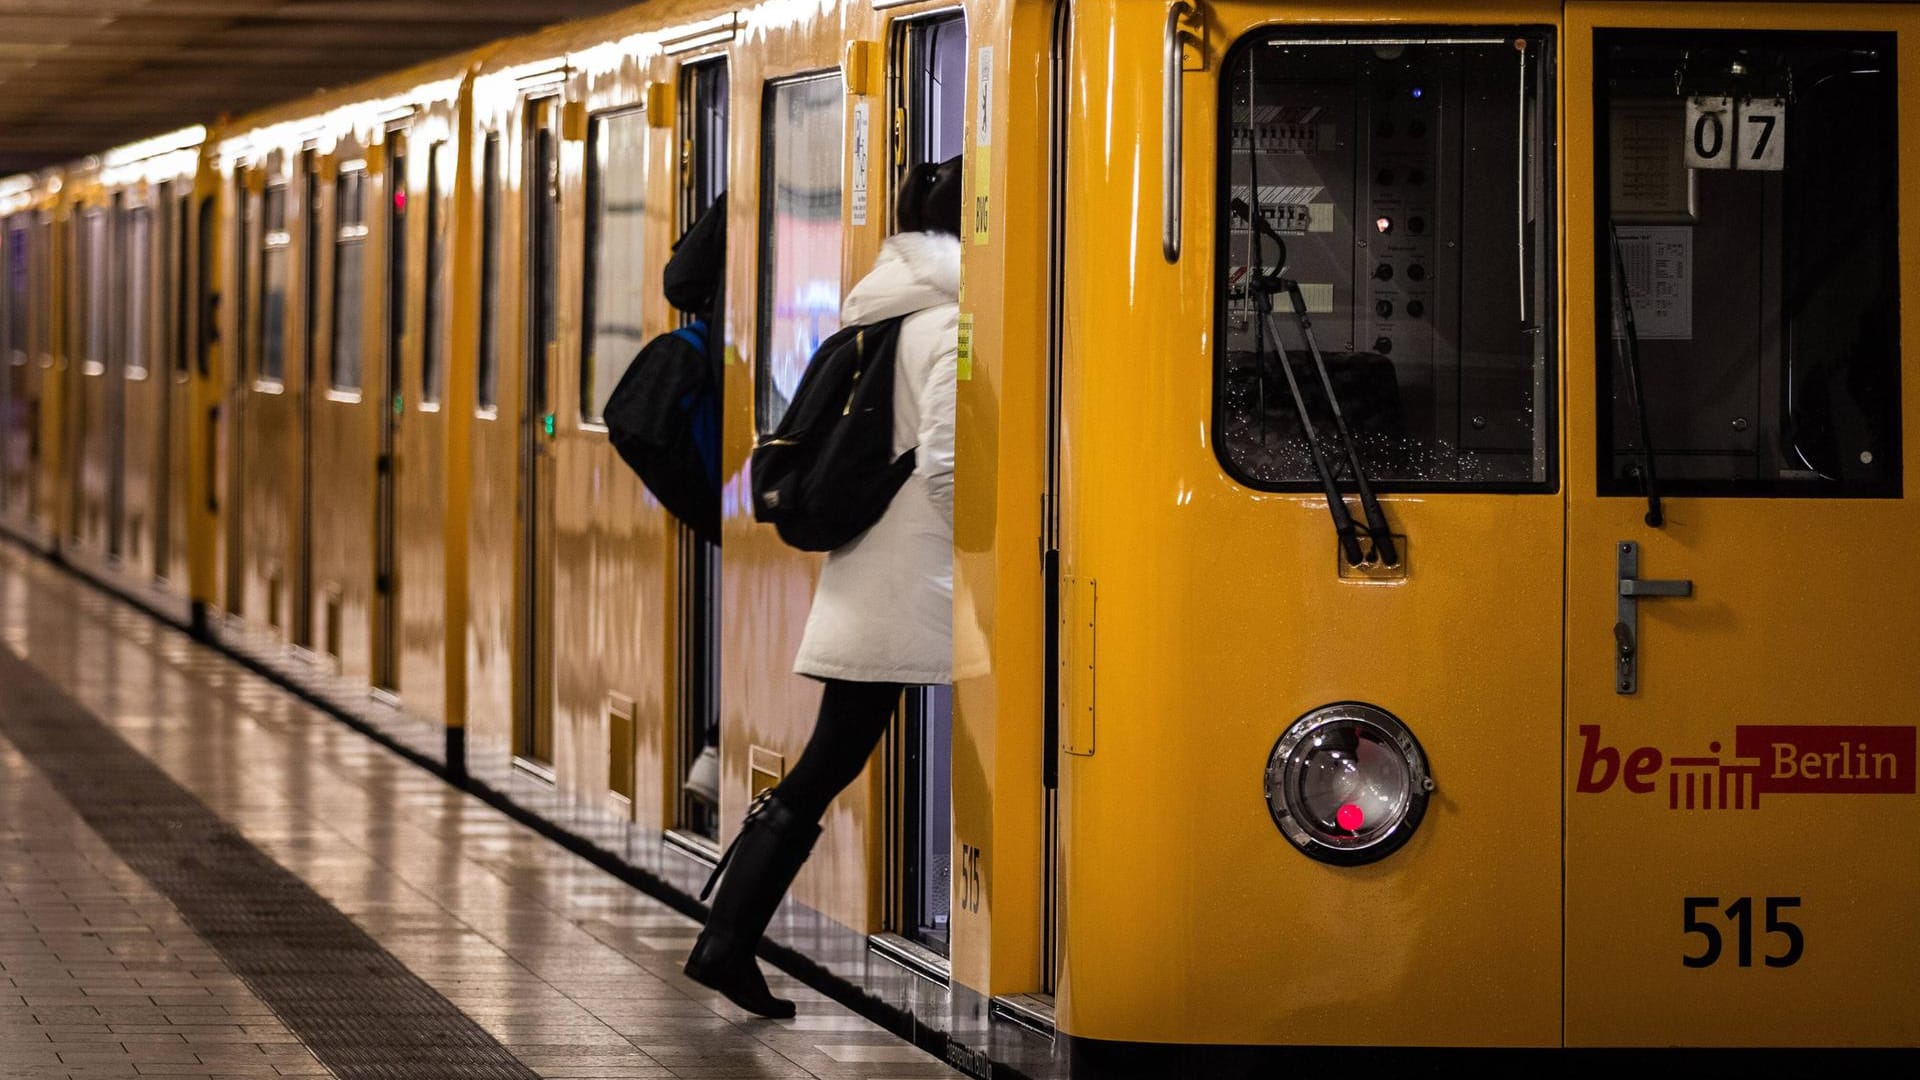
[(346, 407)]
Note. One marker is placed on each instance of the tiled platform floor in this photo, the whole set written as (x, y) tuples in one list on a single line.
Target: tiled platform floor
[(573, 971), (98, 974)]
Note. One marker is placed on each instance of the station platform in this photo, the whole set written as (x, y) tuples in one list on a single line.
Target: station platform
[(203, 875)]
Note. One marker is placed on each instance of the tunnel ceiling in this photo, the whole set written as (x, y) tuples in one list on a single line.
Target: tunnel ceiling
[(80, 76)]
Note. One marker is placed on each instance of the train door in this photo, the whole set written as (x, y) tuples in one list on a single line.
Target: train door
[(1360, 214), (13, 368), (243, 363), (1051, 910), (170, 541), (90, 273), (540, 188), (138, 430), (390, 410), (929, 122), (200, 544), (161, 353), (1741, 805), (705, 88), (313, 243), (118, 281)]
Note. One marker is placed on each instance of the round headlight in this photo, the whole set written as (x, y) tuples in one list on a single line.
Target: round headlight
[(1347, 783)]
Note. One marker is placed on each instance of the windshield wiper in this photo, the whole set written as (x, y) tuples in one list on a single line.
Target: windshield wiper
[(1649, 479), (1265, 284)]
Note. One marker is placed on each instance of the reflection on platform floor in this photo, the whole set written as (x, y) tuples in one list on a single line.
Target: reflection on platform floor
[(571, 971)]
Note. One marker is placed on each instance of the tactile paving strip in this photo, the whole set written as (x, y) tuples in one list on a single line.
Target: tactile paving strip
[(361, 1012)]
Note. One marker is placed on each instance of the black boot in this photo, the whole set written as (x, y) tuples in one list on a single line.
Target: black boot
[(760, 864)]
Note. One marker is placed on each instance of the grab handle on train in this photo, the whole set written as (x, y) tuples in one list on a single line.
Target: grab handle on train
[(1172, 113), (213, 459), (1626, 628)]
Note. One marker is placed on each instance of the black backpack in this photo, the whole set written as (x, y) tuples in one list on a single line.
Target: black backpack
[(827, 472), (664, 420)]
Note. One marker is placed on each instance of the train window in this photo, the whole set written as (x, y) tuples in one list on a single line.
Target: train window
[(313, 239), (96, 274), (397, 296), (246, 242), (139, 263), (488, 370), (543, 239), (18, 302), (349, 268), (616, 273), (179, 244), (275, 271), (1748, 210), (1398, 190), (206, 290), (708, 90), (433, 352), (804, 129), (935, 61)]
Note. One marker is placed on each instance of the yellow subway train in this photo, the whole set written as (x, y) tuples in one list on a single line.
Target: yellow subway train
[(1345, 388)]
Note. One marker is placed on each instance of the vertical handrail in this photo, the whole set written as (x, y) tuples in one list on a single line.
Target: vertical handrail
[(1172, 112), (1522, 190)]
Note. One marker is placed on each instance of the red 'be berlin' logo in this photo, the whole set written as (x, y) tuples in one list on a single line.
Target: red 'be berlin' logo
[(1780, 759)]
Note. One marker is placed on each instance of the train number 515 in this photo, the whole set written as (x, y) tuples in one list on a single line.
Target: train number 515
[(1740, 914)]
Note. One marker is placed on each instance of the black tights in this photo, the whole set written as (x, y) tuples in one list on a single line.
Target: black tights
[(853, 717)]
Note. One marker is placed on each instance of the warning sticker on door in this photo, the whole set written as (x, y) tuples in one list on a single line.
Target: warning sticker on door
[(965, 361), (860, 156), (1659, 268)]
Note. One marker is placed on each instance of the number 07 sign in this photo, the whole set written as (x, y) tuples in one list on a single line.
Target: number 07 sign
[(1725, 133)]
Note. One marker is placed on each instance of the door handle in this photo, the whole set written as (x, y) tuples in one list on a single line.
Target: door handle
[(1633, 588)]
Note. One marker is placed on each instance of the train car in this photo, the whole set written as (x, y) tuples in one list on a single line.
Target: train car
[(26, 496), (1612, 296), (607, 645), (339, 215), (128, 409)]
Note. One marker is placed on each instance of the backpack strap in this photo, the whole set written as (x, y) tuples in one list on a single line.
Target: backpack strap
[(694, 334)]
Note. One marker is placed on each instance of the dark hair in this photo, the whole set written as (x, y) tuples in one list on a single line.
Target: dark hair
[(692, 277), (930, 198)]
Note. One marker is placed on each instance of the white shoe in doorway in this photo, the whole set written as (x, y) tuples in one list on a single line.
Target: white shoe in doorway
[(703, 780)]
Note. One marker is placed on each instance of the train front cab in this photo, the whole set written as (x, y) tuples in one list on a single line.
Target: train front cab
[(1584, 768)]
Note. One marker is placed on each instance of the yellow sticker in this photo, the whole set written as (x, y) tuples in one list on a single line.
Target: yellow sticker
[(982, 184), (965, 363)]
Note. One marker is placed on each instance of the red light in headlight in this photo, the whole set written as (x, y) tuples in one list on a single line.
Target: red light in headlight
[(1347, 783)]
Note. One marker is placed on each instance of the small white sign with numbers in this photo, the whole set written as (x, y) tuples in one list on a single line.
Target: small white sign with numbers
[(1763, 134), (1750, 133), (1709, 133)]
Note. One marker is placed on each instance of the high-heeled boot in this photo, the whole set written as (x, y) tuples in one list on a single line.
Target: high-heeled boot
[(759, 866)]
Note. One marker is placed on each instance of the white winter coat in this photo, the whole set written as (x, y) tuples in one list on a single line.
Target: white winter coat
[(883, 611)]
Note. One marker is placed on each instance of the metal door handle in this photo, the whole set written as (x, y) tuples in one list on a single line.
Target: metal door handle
[(1172, 140), (1632, 589)]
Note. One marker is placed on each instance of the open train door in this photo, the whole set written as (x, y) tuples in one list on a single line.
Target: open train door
[(1741, 812)]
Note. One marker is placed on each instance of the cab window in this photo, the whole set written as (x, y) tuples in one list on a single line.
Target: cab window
[(1747, 214), (1402, 184), (804, 129)]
